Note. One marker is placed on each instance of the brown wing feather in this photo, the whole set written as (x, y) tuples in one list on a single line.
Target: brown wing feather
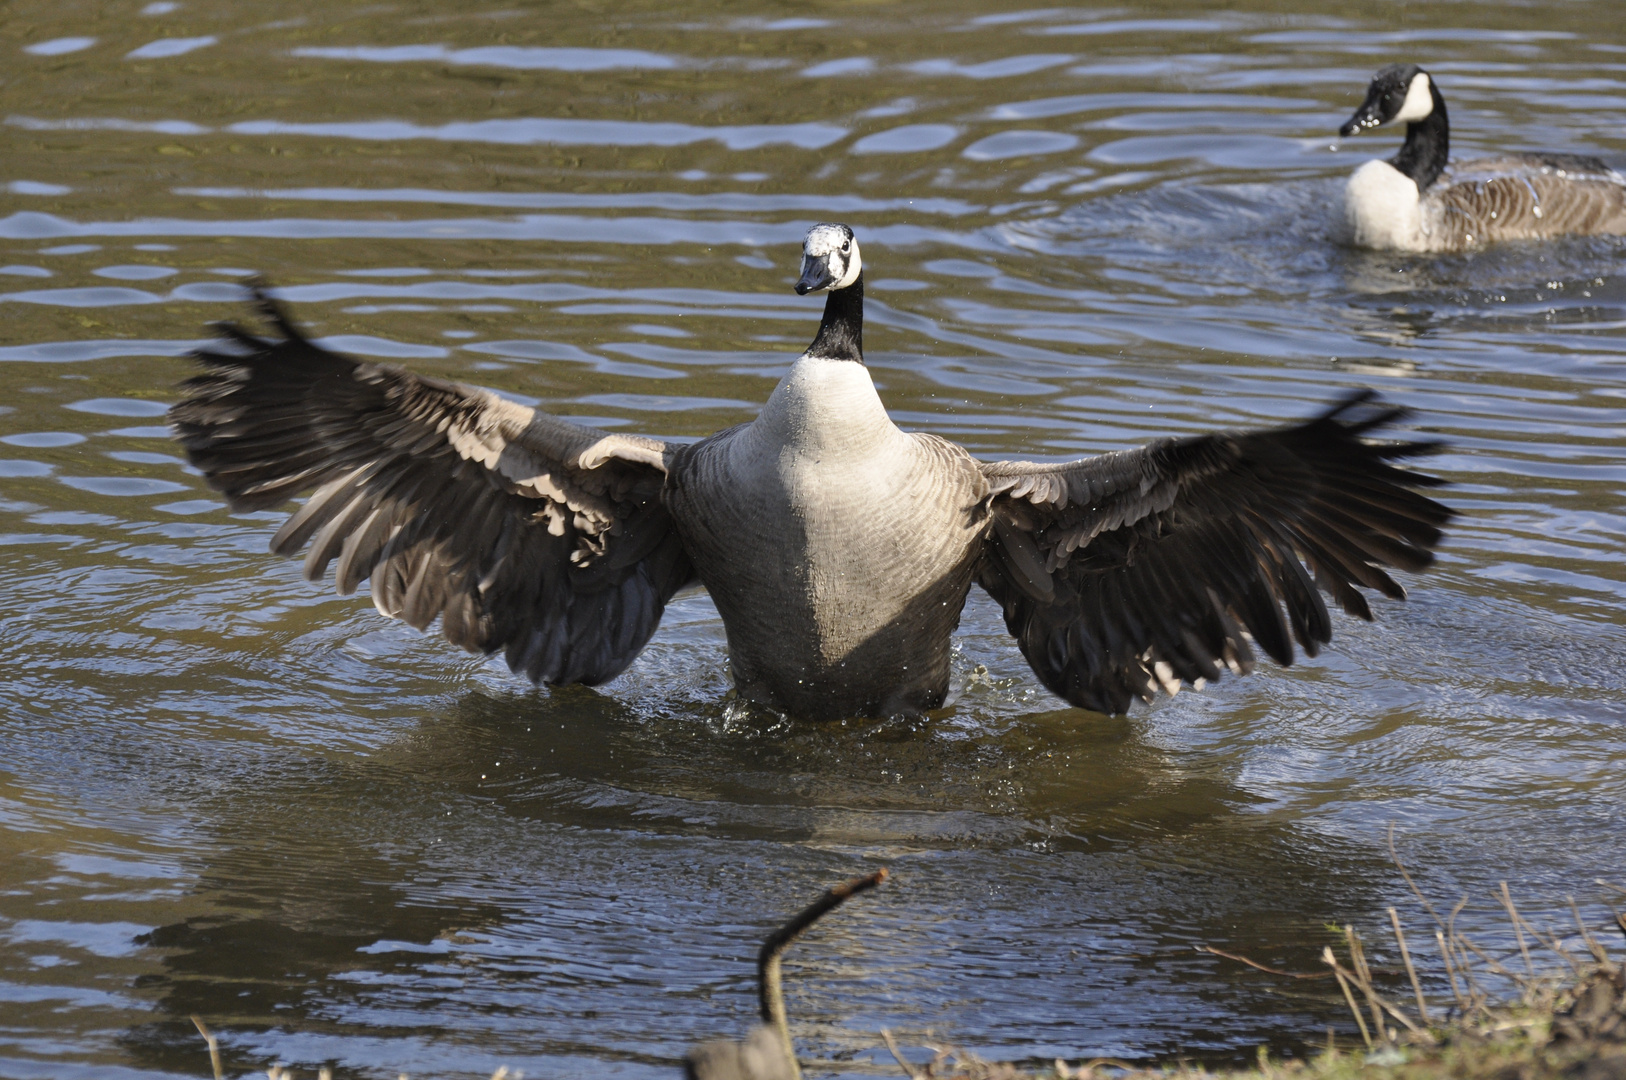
[(1132, 572), (520, 531), (1531, 196)]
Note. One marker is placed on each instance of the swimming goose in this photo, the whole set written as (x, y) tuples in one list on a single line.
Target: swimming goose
[(839, 549), (1416, 202)]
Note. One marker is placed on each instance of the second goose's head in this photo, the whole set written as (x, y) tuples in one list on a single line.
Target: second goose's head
[(1398, 93), (830, 259)]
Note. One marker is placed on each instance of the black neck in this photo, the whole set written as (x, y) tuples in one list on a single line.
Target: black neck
[(841, 331), (1427, 146)]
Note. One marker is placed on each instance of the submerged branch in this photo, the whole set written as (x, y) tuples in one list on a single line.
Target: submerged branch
[(214, 1047), (769, 991)]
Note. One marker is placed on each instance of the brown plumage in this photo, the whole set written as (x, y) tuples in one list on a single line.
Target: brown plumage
[(1529, 197), (839, 549)]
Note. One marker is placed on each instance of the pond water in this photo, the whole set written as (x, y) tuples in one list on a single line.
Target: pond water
[(224, 791)]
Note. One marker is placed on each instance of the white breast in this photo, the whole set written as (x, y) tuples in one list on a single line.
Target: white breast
[(1382, 209), (826, 409), (837, 548), (828, 452)]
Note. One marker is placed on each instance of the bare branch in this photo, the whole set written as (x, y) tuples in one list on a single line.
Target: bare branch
[(1268, 971), (897, 1055), (1518, 931), (770, 993), (214, 1048), (1405, 954), (1343, 984), (1395, 855)]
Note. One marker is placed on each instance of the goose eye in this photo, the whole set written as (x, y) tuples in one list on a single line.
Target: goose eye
[(846, 246)]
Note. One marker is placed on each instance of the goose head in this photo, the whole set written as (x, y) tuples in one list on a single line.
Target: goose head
[(1398, 93), (830, 259)]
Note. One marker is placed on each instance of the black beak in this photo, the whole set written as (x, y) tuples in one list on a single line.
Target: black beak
[(815, 274), (1369, 115)]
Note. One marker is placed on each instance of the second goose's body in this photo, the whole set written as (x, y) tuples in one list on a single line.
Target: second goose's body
[(1418, 201)]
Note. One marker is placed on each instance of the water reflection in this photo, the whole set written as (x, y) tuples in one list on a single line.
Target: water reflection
[(530, 872)]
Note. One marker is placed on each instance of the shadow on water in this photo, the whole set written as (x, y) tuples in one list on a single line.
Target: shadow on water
[(950, 779)]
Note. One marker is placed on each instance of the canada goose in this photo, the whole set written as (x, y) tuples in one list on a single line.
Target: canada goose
[(839, 550), (1416, 202)]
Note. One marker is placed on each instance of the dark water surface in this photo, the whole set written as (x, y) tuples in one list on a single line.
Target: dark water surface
[(225, 791)]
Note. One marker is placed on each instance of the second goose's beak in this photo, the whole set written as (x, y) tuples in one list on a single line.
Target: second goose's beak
[(1369, 115), (815, 275)]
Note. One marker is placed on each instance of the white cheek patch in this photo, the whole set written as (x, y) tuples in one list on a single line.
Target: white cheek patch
[(854, 265), (1419, 101)]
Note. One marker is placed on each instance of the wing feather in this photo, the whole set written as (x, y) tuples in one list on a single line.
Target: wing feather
[(1528, 196), (522, 532), (1138, 571)]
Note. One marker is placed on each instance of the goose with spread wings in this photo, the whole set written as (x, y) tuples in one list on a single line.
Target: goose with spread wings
[(838, 548), (1419, 201)]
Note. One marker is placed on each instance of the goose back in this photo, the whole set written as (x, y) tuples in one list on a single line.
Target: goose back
[(1511, 197), (1527, 197)]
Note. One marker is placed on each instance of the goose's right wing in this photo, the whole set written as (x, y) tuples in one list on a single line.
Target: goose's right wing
[(1132, 572), (521, 531)]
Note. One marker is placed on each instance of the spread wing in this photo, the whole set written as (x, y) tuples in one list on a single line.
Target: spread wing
[(1134, 571), (521, 531), (1531, 195)]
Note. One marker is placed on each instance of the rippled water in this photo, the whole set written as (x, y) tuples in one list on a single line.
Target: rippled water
[(224, 791)]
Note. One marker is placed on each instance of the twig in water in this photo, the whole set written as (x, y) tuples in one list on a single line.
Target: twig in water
[(1451, 973), (1363, 977), (1477, 998), (1377, 1002), (1586, 936), (1492, 964), (897, 1055), (772, 996), (1261, 967), (1518, 931), (1360, 1021), (1088, 1068), (1405, 954), (214, 1048), (1556, 944), (1395, 855)]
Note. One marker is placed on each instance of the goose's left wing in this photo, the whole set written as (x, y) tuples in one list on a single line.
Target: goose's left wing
[(1135, 571)]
